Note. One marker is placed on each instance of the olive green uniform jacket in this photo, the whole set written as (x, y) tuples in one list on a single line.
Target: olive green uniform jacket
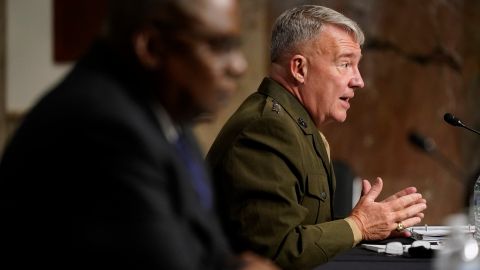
[(275, 183)]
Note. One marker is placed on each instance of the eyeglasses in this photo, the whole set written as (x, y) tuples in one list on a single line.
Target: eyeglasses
[(179, 34)]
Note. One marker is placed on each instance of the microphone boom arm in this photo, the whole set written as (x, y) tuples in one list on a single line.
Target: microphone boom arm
[(454, 121)]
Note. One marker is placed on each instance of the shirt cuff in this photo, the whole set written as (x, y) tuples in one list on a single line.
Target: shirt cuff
[(357, 234)]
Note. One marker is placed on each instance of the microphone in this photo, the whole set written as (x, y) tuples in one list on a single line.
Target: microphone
[(425, 144), (454, 121), (428, 146)]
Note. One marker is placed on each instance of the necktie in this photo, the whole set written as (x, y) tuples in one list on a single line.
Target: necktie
[(196, 171)]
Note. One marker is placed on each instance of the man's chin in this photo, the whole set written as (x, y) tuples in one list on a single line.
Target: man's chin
[(340, 118)]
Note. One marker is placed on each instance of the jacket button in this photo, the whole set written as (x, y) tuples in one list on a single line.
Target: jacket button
[(302, 122), (323, 195)]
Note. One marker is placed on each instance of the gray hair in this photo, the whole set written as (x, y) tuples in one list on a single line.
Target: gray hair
[(304, 23)]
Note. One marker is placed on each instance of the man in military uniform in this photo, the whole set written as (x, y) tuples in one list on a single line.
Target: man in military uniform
[(271, 164)]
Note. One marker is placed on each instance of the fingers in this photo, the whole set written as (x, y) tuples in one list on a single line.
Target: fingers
[(406, 223), (375, 189), (413, 211), (409, 222), (366, 186), (401, 193), (379, 220), (421, 201), (408, 217), (406, 201), (401, 234)]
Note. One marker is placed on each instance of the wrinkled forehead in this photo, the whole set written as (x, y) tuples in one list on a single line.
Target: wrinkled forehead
[(336, 37)]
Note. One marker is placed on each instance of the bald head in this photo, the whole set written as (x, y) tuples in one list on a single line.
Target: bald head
[(127, 16)]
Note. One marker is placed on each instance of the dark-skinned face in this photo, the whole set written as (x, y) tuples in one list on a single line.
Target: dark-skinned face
[(203, 66)]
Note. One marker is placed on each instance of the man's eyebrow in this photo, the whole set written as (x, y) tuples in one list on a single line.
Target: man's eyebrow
[(350, 55)]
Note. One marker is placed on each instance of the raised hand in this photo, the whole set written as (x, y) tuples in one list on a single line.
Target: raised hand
[(379, 220)]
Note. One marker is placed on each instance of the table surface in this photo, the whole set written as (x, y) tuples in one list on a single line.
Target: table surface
[(362, 259)]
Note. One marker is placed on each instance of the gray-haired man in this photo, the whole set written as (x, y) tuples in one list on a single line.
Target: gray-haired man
[(271, 164)]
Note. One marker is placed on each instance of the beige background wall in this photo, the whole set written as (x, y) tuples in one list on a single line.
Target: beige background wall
[(3, 124), (30, 69), (421, 59)]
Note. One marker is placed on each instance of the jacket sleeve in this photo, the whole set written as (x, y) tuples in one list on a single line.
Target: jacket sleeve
[(259, 176)]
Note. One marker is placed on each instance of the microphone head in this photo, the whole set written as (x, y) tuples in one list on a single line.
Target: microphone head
[(423, 143), (452, 120)]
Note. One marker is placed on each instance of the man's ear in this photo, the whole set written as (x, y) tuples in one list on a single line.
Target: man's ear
[(148, 48), (298, 68)]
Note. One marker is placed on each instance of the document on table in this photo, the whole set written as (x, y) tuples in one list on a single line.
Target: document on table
[(437, 233), (434, 235), (382, 248)]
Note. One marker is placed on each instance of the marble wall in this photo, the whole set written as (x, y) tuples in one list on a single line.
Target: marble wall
[(421, 59)]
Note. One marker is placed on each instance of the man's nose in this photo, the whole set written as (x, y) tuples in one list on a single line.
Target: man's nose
[(357, 81), (237, 64)]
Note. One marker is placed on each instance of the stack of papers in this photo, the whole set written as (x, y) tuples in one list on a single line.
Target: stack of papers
[(434, 235), (383, 248), (437, 233)]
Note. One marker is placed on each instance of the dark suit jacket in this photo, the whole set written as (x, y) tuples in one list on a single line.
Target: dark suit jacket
[(271, 168), (90, 181)]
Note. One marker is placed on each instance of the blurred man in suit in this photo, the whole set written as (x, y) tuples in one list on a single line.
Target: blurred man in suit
[(271, 164), (104, 171)]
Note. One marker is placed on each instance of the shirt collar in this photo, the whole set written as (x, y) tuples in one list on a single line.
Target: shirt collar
[(169, 129)]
